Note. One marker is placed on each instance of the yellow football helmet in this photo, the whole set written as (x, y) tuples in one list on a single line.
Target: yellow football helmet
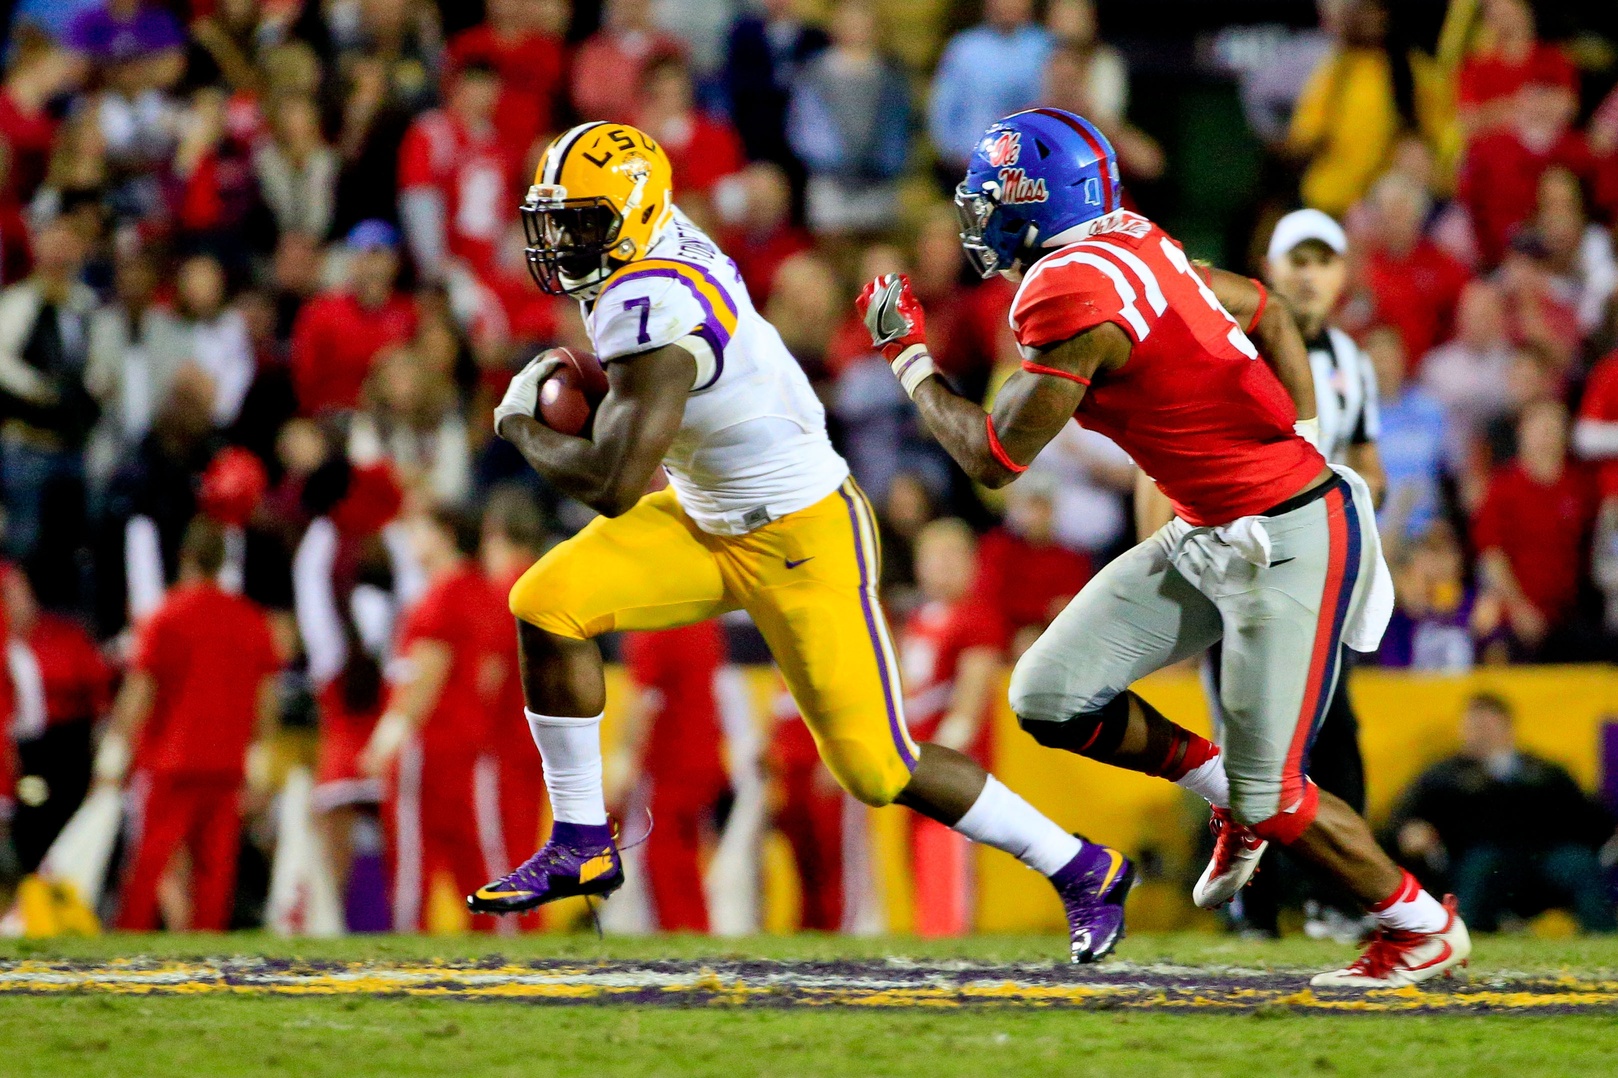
[(602, 195)]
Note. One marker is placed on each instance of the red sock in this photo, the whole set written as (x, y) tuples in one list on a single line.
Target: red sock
[(1187, 752)]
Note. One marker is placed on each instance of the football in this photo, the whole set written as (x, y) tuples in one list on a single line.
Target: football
[(568, 398)]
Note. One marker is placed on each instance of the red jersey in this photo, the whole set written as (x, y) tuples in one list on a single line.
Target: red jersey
[(1499, 182), (1194, 405), (1488, 76), (1600, 403), (471, 171), (930, 649), (532, 69), (208, 652), (1416, 294), (680, 665), (455, 611), (513, 741), (1027, 584), (1542, 530), (76, 678), (334, 341)]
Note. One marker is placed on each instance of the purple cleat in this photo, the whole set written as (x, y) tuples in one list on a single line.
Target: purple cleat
[(579, 859), (1093, 887)]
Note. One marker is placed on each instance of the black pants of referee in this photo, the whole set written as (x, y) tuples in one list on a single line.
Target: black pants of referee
[(1336, 766)]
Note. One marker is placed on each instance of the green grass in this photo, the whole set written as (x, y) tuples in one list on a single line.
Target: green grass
[(84, 1036), (1597, 954), (214, 1037)]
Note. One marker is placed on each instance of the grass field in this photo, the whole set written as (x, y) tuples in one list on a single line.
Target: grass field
[(325, 1007)]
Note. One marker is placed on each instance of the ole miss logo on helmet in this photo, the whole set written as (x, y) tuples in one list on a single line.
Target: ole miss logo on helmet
[(1005, 149), (1017, 188)]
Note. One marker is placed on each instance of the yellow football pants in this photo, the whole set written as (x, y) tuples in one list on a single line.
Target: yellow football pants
[(809, 582)]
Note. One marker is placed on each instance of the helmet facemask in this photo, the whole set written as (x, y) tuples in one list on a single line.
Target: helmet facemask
[(993, 240), (571, 241)]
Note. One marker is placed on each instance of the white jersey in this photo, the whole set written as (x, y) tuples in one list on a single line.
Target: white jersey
[(1345, 394), (753, 445)]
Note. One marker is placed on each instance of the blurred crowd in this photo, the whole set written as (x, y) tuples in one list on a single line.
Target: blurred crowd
[(263, 282)]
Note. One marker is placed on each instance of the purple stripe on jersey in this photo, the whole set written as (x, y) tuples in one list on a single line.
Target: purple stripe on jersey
[(718, 357), (895, 726), (710, 318)]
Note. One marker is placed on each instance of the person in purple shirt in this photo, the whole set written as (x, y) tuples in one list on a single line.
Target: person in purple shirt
[(127, 30), (1436, 625)]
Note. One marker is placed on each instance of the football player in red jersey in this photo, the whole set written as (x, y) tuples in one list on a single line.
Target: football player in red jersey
[(1271, 550)]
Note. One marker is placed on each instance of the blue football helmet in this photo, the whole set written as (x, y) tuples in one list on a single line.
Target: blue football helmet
[(1033, 178)]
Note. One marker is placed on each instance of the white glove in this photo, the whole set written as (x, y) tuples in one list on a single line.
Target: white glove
[(1309, 431), (522, 395)]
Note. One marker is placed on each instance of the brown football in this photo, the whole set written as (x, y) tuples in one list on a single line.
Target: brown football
[(568, 398)]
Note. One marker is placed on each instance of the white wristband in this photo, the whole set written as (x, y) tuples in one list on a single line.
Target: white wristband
[(914, 366), (1308, 430), (391, 732), (112, 759)]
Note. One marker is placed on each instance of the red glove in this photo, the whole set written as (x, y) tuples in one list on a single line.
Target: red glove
[(897, 324)]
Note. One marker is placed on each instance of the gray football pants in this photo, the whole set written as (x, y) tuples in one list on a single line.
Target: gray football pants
[(1183, 588)]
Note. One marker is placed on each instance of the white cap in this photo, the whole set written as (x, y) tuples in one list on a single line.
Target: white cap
[(1300, 226)]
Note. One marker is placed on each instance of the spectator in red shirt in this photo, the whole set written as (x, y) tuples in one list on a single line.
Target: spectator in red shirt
[(70, 687), (755, 209), (1023, 572), (1512, 57), (433, 746), (1532, 533), (951, 650), (1414, 286), (200, 690), (703, 148), (672, 745), (522, 42), (610, 67), (513, 539), (455, 186), (1499, 177), (339, 333), (1595, 435)]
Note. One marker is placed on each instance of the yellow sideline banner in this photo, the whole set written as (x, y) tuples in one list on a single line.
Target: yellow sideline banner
[(1408, 721)]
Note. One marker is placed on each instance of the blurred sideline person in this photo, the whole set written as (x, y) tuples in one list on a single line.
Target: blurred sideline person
[(760, 514), (514, 539), (670, 754), (199, 692), (432, 745), (807, 809), (1512, 833), (952, 651)]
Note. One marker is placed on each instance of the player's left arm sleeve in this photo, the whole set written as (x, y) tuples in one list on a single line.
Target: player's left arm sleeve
[(641, 313)]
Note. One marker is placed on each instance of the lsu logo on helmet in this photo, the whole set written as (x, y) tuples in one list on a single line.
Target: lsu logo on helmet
[(602, 196)]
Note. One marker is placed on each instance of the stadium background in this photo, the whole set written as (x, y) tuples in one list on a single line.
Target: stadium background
[(1216, 186)]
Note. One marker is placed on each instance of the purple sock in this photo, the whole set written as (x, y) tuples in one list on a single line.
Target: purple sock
[(582, 835)]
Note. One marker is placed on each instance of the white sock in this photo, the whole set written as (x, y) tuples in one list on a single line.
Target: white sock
[(1411, 908), (1208, 781), (570, 750), (1001, 819)]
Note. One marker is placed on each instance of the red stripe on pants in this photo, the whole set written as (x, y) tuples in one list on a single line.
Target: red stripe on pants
[(1294, 785)]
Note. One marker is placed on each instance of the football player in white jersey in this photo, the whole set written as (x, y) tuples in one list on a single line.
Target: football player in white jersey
[(760, 515)]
